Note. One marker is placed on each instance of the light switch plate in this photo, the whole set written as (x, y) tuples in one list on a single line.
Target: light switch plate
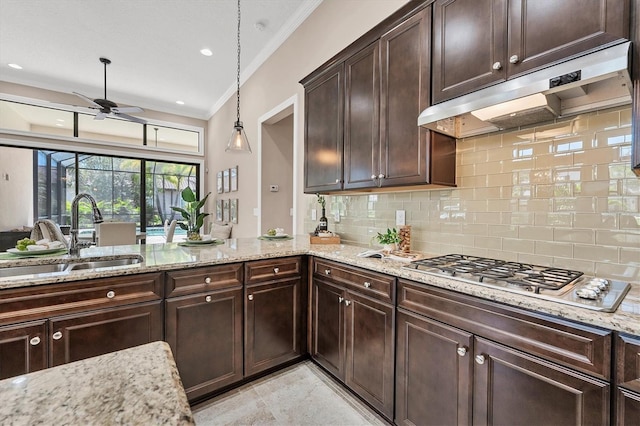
[(314, 214), (400, 218), (336, 217)]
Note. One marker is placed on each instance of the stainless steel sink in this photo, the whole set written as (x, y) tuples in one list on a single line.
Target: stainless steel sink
[(15, 271), (97, 264), (66, 267)]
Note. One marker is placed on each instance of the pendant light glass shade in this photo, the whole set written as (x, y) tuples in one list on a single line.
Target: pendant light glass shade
[(238, 141)]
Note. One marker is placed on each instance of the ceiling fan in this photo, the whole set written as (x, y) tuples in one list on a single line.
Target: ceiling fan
[(106, 107)]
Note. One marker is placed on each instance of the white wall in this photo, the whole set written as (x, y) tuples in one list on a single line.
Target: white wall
[(330, 28), (17, 192)]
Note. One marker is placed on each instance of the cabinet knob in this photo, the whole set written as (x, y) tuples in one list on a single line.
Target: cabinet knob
[(462, 351), (347, 302), (340, 299), (208, 299), (381, 176), (514, 59), (374, 177), (57, 335), (327, 271), (276, 270), (480, 359), (207, 280), (497, 65), (34, 341), (367, 284), (250, 297), (337, 180), (111, 294)]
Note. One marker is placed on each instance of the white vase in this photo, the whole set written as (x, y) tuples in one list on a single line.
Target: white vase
[(388, 248)]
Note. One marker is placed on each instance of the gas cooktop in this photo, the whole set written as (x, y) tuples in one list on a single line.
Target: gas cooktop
[(555, 284)]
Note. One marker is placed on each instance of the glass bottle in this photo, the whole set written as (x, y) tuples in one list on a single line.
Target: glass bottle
[(323, 222)]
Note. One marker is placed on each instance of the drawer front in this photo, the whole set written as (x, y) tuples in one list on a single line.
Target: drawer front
[(577, 346), (198, 280), (45, 301), (628, 362), (372, 284), (272, 269)]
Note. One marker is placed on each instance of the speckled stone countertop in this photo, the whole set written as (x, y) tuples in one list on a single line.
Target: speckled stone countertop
[(161, 257), (135, 386)]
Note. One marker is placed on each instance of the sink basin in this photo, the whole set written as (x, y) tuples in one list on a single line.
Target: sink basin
[(17, 271), (96, 264), (32, 270)]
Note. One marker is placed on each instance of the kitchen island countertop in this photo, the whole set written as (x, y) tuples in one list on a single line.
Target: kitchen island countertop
[(163, 257), (139, 385)]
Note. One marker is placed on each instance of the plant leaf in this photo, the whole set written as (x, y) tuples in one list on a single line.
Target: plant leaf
[(188, 195)]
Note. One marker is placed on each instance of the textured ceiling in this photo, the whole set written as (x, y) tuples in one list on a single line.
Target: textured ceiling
[(154, 46)]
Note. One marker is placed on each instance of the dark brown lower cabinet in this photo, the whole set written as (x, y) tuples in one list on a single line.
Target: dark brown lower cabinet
[(434, 372), (273, 324), (353, 338), (205, 334), (627, 380), (23, 348), (628, 407), (79, 336), (511, 387)]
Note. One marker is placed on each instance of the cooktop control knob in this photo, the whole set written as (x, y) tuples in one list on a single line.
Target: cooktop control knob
[(587, 293), (601, 283)]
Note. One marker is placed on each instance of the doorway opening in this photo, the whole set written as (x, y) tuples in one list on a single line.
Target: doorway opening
[(277, 197)]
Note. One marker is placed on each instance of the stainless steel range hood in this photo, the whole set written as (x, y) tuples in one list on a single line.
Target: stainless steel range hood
[(594, 81)]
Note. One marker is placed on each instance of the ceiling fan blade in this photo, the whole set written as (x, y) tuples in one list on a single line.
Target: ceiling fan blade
[(120, 110), (86, 98), (130, 117), (100, 116)]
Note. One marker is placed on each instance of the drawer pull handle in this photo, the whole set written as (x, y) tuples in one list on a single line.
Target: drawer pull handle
[(207, 280), (374, 177), (111, 294), (327, 271), (462, 350), (208, 299), (347, 302), (340, 299), (480, 359), (250, 297), (57, 335), (514, 59), (367, 284), (34, 341), (276, 270), (496, 66)]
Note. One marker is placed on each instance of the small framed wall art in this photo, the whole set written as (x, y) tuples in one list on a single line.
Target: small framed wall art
[(233, 175), (225, 180), (219, 182), (234, 210), (219, 210), (225, 211)]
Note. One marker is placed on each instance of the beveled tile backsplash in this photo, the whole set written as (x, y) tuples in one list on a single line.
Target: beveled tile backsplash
[(560, 194)]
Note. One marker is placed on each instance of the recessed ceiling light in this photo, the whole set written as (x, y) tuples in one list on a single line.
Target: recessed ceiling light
[(59, 124), (15, 66), (60, 120), (206, 52), (180, 102), (260, 26)]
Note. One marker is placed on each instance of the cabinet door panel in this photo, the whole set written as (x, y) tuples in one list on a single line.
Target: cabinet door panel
[(328, 327), (361, 129), (85, 335), (370, 340), (546, 31), (628, 408), (511, 387), (273, 320), (205, 335), (406, 56), (323, 132), (433, 381), (469, 37), (23, 349)]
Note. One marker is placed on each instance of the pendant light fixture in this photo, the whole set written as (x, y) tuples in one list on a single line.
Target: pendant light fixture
[(238, 140)]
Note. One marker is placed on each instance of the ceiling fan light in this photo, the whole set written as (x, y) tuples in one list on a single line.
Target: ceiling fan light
[(238, 141)]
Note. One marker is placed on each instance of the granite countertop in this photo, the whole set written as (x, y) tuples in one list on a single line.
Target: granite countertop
[(139, 385), (161, 257)]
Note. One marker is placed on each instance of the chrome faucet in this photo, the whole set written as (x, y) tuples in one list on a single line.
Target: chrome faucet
[(75, 246)]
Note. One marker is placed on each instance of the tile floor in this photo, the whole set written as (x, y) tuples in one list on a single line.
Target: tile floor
[(298, 395)]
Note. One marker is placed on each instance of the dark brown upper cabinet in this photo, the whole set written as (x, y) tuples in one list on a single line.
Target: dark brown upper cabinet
[(386, 77), (477, 43), (323, 131)]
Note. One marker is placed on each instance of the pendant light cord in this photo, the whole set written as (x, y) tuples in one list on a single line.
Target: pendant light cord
[(238, 76)]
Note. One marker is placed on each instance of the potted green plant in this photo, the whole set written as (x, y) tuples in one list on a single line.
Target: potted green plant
[(191, 213), (389, 239)]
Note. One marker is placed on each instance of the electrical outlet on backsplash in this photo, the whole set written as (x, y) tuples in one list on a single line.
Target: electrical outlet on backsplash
[(559, 194)]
